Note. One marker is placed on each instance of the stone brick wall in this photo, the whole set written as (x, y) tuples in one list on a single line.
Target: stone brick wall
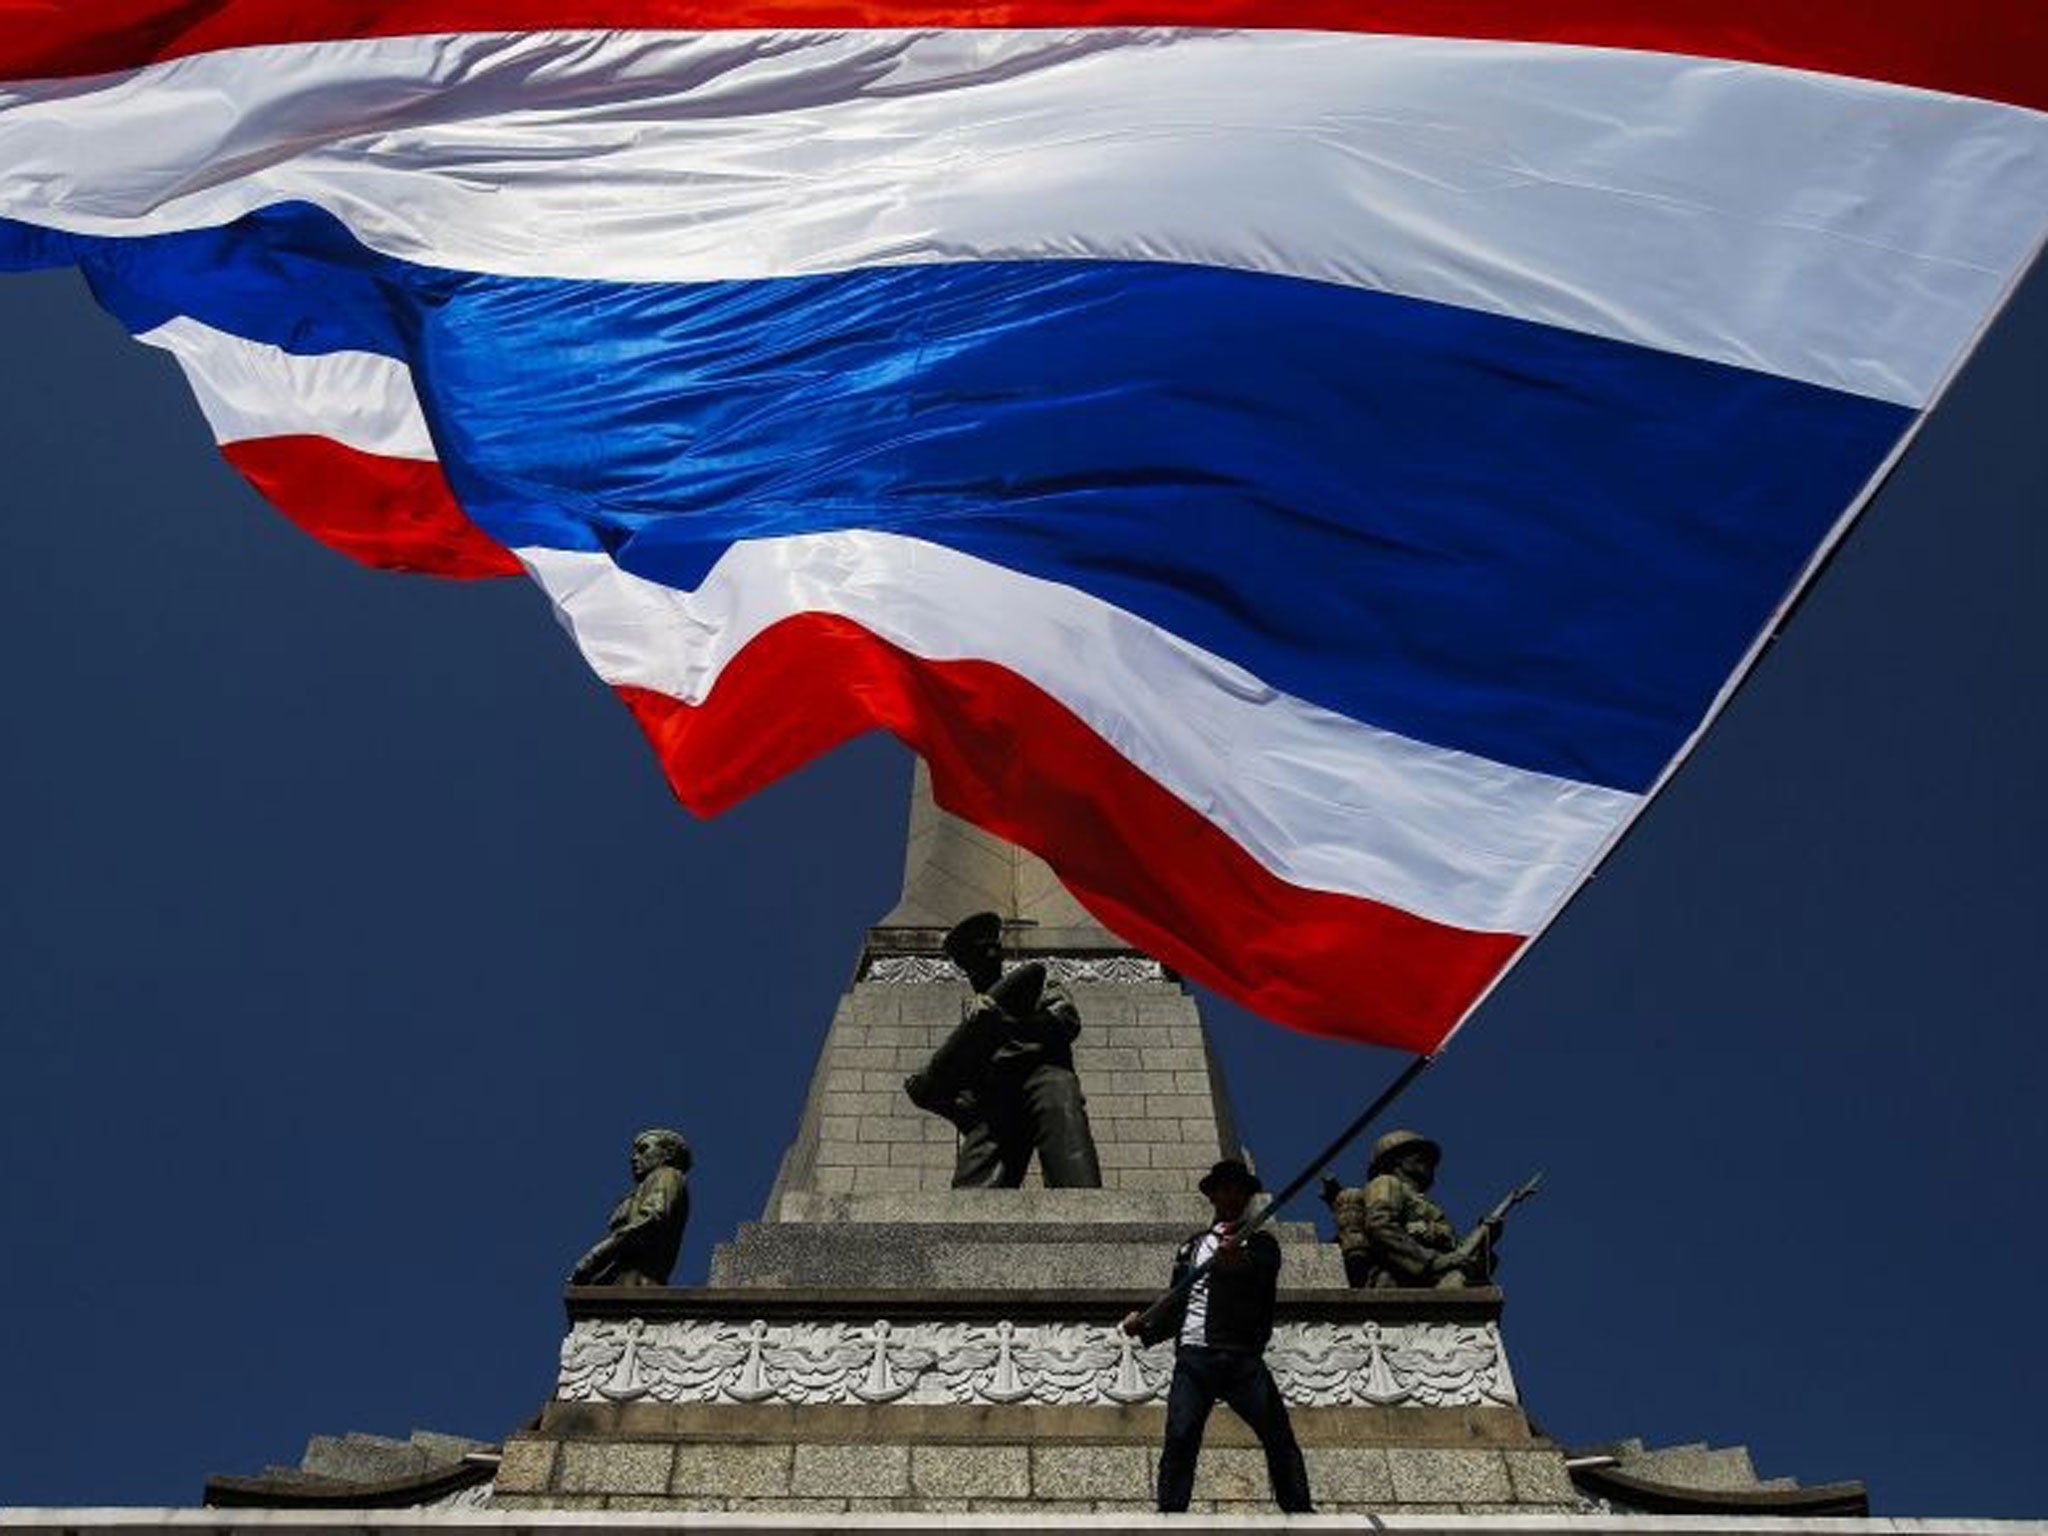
[(1014, 1478)]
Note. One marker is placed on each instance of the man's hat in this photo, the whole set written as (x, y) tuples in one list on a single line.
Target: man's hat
[(1394, 1143), (1230, 1171), (979, 928)]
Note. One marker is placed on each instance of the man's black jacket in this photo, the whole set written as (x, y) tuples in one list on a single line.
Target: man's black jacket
[(1240, 1296)]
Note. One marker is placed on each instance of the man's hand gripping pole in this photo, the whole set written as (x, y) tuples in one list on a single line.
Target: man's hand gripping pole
[(1147, 1321)]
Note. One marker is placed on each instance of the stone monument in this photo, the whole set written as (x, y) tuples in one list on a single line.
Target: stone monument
[(879, 1339)]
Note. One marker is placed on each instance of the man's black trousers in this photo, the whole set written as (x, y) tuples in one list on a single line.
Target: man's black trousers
[(1200, 1377)]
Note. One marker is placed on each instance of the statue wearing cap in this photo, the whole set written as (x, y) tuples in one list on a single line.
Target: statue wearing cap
[(1393, 1235), (1005, 1076)]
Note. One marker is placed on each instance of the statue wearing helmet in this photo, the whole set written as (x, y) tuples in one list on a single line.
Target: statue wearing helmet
[(1393, 1235)]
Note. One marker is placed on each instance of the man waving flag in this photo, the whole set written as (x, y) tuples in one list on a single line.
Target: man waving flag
[(1309, 472)]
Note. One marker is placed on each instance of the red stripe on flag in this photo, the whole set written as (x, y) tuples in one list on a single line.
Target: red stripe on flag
[(1990, 48), (1011, 759), (395, 514)]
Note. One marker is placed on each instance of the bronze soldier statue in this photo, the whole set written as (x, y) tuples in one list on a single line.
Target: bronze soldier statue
[(1005, 1075), (646, 1228), (1393, 1234)]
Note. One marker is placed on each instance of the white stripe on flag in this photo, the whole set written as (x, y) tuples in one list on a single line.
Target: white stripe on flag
[(1840, 231), (248, 389), (1321, 800)]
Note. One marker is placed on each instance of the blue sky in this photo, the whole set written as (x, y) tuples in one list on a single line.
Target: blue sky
[(347, 934)]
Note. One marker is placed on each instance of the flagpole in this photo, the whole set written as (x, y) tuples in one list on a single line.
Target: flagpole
[(1294, 1186)]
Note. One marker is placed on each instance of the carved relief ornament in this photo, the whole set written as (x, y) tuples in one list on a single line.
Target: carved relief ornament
[(1073, 970), (1320, 1364)]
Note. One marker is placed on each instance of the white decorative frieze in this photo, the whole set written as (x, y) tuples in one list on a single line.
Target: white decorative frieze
[(1081, 970), (1322, 1364)]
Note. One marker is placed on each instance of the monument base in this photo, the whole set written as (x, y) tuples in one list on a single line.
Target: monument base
[(1016, 1460), (1026, 1401)]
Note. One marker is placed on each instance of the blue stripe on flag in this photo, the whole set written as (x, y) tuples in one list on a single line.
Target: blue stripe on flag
[(1546, 548)]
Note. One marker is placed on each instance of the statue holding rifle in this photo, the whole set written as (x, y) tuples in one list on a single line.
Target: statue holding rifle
[(1393, 1235)]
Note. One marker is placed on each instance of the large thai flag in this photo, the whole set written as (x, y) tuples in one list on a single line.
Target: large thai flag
[(1308, 470)]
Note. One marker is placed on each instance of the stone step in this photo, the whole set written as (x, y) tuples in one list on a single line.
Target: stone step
[(1720, 1469), (984, 1256), (363, 1458), (1183, 1210), (360, 1458)]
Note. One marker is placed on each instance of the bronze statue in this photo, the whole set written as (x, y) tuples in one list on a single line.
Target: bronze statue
[(1393, 1234), (1005, 1075), (646, 1229)]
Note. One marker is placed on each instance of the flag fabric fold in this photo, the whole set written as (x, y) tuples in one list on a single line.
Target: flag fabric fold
[(1310, 484)]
